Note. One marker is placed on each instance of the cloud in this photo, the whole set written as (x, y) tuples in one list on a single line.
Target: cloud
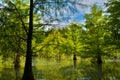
[(82, 10), (92, 2), (89, 4), (83, 7)]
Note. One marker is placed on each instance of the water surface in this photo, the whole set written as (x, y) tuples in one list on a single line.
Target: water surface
[(51, 69)]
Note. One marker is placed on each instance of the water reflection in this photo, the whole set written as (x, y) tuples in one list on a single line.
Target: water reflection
[(7, 74), (17, 73), (68, 70), (99, 66), (65, 70)]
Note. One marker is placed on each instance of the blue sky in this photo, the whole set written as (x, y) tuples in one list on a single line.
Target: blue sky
[(79, 15)]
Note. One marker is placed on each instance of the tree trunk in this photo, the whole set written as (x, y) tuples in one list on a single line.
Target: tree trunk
[(99, 59), (17, 61), (17, 66), (74, 60), (28, 74), (74, 63), (17, 72), (74, 57), (99, 71)]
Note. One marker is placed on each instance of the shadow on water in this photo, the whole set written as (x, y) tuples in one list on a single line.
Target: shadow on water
[(65, 70)]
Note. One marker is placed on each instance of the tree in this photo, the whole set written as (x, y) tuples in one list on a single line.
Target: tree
[(12, 26), (113, 10), (72, 34), (96, 32), (52, 44), (28, 74), (19, 14)]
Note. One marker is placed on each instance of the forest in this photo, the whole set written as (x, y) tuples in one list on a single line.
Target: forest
[(27, 29)]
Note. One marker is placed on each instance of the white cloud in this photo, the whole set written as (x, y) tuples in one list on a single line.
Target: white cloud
[(76, 17), (89, 4), (87, 8), (92, 2)]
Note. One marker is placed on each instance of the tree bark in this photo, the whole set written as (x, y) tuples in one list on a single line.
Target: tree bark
[(74, 57), (74, 60), (99, 71), (28, 74), (17, 66), (17, 72), (99, 59), (17, 61)]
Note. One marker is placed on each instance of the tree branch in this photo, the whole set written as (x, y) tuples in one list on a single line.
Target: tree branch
[(19, 15)]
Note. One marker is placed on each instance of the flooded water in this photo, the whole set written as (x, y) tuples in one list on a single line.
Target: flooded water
[(51, 69)]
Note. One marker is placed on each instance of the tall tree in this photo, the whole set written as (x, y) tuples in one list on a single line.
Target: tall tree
[(28, 74), (72, 33), (113, 10), (95, 29), (12, 27), (74, 40)]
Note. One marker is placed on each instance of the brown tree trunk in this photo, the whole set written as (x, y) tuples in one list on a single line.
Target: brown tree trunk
[(17, 66), (99, 71), (74, 60), (17, 61), (28, 74), (17, 72), (99, 59), (74, 57)]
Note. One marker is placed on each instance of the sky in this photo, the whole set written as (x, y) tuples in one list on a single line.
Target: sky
[(79, 15), (81, 11)]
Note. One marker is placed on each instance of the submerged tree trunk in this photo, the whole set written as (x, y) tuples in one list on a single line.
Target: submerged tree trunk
[(74, 60), (74, 57), (28, 74), (17, 72), (99, 59), (17, 66), (99, 71), (74, 63), (17, 61)]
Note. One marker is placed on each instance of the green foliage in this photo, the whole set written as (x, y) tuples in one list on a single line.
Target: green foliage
[(13, 35), (52, 44), (113, 9), (72, 34), (99, 35), (96, 33)]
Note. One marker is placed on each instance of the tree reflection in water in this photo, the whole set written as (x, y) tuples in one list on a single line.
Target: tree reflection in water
[(99, 71), (7, 74), (17, 72)]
